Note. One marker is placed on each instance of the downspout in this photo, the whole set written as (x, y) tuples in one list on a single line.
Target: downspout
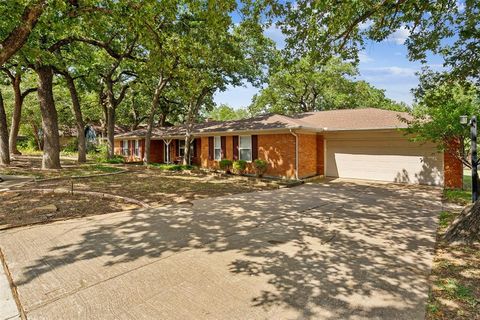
[(296, 153)]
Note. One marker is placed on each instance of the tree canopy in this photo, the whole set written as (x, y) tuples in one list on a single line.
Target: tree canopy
[(306, 86)]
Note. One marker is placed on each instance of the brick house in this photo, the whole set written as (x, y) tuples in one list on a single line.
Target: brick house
[(354, 143)]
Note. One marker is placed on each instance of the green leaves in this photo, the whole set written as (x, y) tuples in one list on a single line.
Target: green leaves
[(440, 103), (308, 86)]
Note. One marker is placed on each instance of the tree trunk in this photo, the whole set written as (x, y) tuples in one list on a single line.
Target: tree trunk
[(110, 132), (4, 152), (18, 36), (51, 141), (36, 136), (16, 116), (466, 227), (77, 111), (155, 102), (188, 143)]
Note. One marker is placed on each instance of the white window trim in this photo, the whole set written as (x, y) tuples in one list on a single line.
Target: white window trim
[(215, 138), (125, 150), (137, 148), (180, 148), (240, 148)]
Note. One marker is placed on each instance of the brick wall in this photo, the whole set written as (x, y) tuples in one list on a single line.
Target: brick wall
[(320, 155), (452, 167), (307, 155), (156, 151), (279, 152)]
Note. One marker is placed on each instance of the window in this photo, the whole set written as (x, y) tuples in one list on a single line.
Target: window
[(217, 145), (137, 148), (181, 148), (245, 148), (125, 150)]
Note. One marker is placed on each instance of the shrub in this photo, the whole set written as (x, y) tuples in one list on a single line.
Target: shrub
[(100, 156), (71, 146), (172, 167), (260, 167), (27, 143), (240, 166), (225, 165)]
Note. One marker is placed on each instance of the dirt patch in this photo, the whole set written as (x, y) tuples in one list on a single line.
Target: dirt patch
[(157, 187), (18, 209), (455, 279)]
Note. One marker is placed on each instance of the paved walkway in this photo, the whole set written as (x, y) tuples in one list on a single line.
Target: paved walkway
[(341, 250)]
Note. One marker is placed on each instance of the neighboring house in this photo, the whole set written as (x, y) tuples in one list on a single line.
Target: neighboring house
[(93, 133), (354, 143)]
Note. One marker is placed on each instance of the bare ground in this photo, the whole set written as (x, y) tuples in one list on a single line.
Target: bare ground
[(152, 186), (19, 209), (455, 279)]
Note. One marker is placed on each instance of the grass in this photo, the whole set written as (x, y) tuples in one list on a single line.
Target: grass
[(445, 219), (171, 167), (455, 290), (461, 197)]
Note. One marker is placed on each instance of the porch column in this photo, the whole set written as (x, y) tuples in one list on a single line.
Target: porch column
[(167, 143)]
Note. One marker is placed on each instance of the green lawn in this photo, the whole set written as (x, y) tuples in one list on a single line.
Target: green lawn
[(462, 197)]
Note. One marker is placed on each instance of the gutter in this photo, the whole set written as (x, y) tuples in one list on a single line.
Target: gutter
[(296, 152)]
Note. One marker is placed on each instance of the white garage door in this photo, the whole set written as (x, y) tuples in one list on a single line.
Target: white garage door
[(394, 160)]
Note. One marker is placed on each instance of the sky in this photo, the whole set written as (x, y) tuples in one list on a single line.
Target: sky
[(385, 65)]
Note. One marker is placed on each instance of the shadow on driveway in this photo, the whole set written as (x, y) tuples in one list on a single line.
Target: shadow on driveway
[(337, 250)]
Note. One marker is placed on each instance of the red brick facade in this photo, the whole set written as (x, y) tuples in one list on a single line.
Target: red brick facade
[(278, 150), (452, 167)]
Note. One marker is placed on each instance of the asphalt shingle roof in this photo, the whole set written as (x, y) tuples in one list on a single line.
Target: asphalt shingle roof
[(332, 120)]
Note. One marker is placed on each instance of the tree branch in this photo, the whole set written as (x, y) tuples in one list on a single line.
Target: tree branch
[(18, 36)]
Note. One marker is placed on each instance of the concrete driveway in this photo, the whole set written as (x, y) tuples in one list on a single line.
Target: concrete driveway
[(337, 250)]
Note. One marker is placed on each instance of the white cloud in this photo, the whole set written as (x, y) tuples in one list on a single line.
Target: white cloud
[(275, 33), (364, 57), (365, 25), (391, 71), (400, 35)]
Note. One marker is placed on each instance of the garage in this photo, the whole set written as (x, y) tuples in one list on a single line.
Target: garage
[(382, 155)]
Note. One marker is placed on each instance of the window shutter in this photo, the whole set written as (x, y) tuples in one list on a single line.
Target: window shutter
[(235, 147), (210, 148), (130, 147), (193, 145), (142, 145), (223, 143), (254, 147)]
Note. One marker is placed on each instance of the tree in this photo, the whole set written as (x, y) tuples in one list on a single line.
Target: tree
[(436, 117), (224, 112), (440, 103), (4, 152), (322, 29), (18, 34), (15, 73), (306, 86)]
